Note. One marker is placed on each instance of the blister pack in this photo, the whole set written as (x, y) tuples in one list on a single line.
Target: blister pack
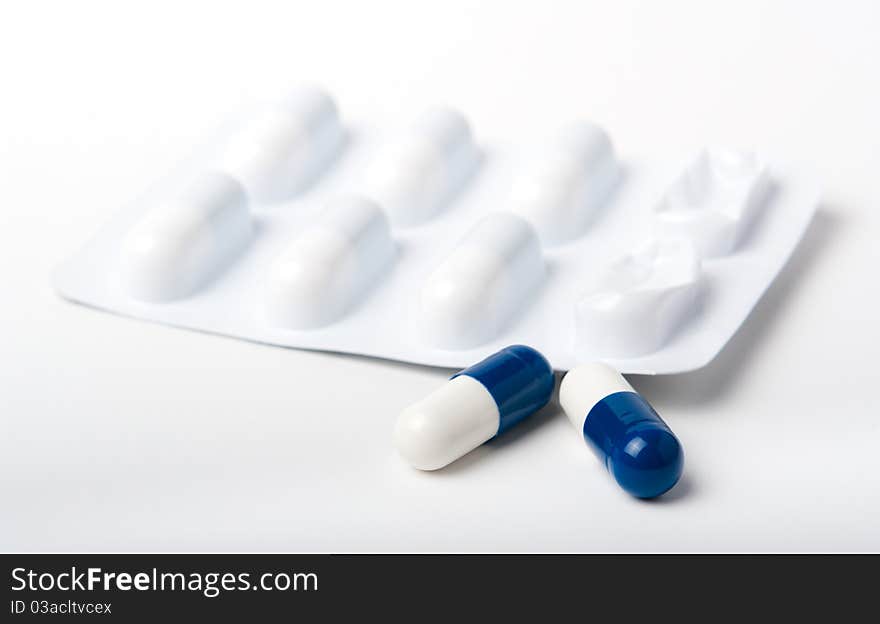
[(430, 245)]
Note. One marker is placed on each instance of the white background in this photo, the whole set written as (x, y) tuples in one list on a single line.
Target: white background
[(123, 435)]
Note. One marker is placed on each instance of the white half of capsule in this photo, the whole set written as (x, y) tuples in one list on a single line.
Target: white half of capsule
[(583, 387), (282, 149), (489, 277), (714, 200), (447, 424), (641, 300), (180, 245), (332, 264), (416, 175), (564, 185)]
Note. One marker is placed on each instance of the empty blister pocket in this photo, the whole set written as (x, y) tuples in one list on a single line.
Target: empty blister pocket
[(435, 244), (715, 200), (640, 301)]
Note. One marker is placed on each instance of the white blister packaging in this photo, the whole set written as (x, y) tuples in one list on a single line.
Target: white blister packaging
[(328, 266), (282, 147), (560, 187), (492, 275), (181, 244), (410, 248), (416, 174)]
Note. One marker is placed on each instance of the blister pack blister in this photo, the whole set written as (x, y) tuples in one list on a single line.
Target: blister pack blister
[(430, 244)]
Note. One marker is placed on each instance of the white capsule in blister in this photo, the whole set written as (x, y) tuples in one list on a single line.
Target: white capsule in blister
[(565, 183), (332, 264), (181, 244), (415, 176), (280, 151), (489, 278)]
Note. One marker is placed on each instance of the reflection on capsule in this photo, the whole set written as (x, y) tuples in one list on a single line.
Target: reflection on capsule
[(624, 431), (474, 406)]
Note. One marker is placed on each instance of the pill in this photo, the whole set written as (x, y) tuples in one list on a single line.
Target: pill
[(416, 175), (282, 148), (489, 278), (330, 265), (185, 241), (566, 182), (624, 431), (474, 406)]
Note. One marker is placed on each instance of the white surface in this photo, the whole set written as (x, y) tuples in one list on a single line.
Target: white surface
[(123, 435)]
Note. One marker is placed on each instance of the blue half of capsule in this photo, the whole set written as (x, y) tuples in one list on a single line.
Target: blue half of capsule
[(636, 446), (519, 379)]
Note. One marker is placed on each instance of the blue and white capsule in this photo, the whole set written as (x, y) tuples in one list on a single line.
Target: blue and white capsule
[(624, 431), (473, 407)]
